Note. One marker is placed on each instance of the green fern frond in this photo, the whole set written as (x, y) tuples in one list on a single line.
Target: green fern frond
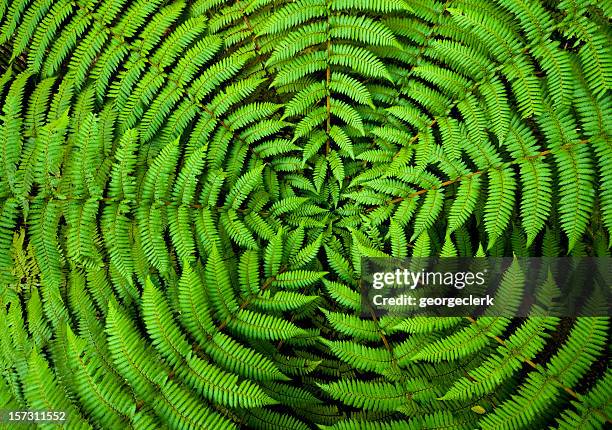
[(188, 191)]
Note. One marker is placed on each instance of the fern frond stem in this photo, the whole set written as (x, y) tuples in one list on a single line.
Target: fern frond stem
[(538, 368), (384, 339), (256, 46), (95, 389), (422, 48), (476, 173), (247, 301)]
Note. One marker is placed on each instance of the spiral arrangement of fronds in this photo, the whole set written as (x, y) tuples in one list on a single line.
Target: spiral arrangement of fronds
[(187, 188)]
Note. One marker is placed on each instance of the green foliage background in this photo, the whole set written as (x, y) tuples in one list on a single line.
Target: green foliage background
[(186, 189)]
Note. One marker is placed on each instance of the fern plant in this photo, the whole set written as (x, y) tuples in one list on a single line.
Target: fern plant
[(187, 189)]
